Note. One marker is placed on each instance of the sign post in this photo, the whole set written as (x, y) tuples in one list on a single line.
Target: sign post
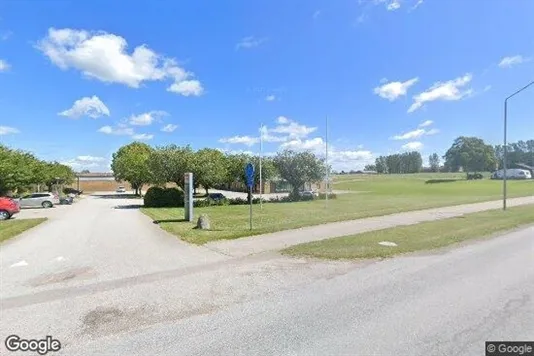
[(188, 196), (249, 174)]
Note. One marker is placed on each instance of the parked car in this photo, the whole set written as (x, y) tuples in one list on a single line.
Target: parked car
[(308, 194), (121, 189), (35, 200), (512, 173), (8, 207), (216, 196), (72, 191), (68, 200)]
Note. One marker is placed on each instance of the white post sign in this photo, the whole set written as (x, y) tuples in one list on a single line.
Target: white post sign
[(188, 196)]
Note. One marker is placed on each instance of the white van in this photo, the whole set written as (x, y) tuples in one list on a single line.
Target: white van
[(514, 173)]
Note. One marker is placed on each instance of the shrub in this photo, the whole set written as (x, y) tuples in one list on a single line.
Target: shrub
[(238, 201), (474, 176), (330, 196), (157, 197), (201, 203)]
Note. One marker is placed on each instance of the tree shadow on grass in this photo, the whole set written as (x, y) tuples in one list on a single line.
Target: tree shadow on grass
[(436, 181), (169, 221)]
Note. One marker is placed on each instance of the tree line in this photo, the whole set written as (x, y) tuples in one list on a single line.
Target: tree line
[(20, 171), (140, 164), (469, 154)]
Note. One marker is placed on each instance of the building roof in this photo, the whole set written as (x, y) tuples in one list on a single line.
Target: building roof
[(95, 175)]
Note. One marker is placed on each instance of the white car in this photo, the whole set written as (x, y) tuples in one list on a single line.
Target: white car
[(36, 200), (121, 189)]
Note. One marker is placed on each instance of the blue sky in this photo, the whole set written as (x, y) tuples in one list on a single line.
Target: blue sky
[(80, 79)]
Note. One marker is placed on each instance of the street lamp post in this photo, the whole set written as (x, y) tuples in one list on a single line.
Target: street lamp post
[(504, 160)]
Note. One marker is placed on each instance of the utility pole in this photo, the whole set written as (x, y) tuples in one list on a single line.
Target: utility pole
[(261, 154), (326, 160), (505, 158)]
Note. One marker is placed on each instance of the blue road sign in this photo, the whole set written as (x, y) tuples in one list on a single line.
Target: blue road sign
[(249, 173)]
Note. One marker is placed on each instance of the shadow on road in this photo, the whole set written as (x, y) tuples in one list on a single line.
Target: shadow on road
[(116, 196), (131, 206)]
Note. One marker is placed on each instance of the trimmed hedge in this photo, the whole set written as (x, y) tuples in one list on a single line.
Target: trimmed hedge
[(157, 197)]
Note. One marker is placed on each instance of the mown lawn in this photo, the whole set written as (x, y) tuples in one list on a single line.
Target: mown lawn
[(12, 228), (371, 196), (423, 236)]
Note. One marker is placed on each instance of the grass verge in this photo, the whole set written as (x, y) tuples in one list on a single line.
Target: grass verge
[(368, 196), (422, 236), (12, 228)]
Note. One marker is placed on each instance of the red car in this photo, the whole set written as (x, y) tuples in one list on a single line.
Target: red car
[(8, 208)]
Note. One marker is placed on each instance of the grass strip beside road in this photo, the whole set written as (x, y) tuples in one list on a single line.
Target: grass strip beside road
[(12, 228), (368, 196), (422, 236)]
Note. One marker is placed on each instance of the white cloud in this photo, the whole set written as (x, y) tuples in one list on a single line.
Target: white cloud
[(250, 42), (146, 119), (142, 137), (410, 135), (169, 128), (393, 90), (431, 132), (4, 66), (315, 144), (92, 107), (417, 133), (447, 91), (394, 5), (104, 56), (487, 88), (120, 130), (417, 4), (316, 14), (412, 146), (270, 98), (350, 159), (337, 158), (426, 123), (85, 162), (245, 140), (187, 88), (282, 120), (508, 62), (291, 128), (6, 130)]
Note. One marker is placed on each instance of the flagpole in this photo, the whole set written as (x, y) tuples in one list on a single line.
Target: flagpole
[(261, 154)]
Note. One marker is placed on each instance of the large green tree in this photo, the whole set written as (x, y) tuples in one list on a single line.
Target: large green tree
[(130, 164), (170, 163), (408, 162), (434, 162), (472, 154), (209, 168), (299, 168), (20, 170)]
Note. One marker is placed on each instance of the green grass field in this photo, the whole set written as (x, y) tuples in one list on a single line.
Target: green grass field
[(12, 228), (423, 236), (370, 196)]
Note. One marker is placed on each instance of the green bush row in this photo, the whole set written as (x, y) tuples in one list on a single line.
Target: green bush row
[(157, 197)]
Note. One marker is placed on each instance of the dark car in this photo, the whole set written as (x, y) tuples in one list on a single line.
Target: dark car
[(72, 191), (216, 196), (66, 200)]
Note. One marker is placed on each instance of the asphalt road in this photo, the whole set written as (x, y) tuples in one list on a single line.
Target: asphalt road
[(443, 303), (94, 240)]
